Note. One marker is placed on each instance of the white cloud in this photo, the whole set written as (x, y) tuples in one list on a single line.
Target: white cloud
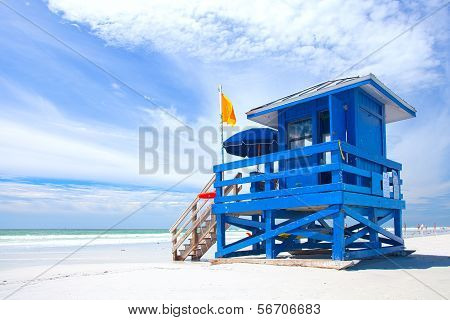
[(29, 198), (40, 141), (259, 51), (423, 148), (320, 37)]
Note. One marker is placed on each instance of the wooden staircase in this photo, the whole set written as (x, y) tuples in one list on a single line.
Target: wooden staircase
[(194, 232)]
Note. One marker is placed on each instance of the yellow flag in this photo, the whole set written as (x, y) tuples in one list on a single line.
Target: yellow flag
[(228, 115)]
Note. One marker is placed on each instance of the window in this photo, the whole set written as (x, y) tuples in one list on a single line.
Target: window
[(324, 118), (324, 136), (300, 133)]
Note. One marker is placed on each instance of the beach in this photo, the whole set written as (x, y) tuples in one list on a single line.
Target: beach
[(141, 268)]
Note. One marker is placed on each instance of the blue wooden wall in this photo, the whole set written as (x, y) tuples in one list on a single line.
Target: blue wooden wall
[(355, 117)]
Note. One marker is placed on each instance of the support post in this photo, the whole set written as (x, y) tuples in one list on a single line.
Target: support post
[(219, 176), (336, 176), (221, 124), (194, 241), (256, 246), (220, 220), (174, 242), (338, 248), (268, 168), (270, 242), (373, 235), (220, 229), (398, 223)]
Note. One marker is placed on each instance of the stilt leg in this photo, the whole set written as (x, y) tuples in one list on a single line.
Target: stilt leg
[(256, 246), (373, 235), (398, 223), (338, 248), (270, 243), (220, 228)]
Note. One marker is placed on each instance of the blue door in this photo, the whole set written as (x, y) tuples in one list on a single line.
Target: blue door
[(370, 134), (299, 135)]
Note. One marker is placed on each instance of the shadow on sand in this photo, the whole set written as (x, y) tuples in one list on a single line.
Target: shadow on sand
[(414, 261)]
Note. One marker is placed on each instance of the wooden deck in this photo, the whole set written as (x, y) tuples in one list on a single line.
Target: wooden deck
[(311, 263)]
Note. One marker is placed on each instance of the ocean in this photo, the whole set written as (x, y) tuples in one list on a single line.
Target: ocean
[(78, 237)]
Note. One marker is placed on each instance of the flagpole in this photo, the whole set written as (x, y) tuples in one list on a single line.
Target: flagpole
[(221, 123)]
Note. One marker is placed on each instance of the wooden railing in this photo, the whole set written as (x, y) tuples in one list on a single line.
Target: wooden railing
[(197, 223), (365, 171), (191, 206)]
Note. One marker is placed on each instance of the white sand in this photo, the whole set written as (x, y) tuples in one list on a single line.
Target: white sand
[(145, 272)]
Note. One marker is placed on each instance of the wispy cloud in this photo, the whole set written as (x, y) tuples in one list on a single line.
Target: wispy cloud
[(41, 141), (33, 198), (64, 119), (424, 151), (323, 37)]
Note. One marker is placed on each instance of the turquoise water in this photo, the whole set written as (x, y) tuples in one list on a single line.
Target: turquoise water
[(34, 232), (38, 238), (76, 237), (30, 238)]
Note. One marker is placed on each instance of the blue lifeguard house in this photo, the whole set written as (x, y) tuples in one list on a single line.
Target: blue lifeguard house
[(328, 184)]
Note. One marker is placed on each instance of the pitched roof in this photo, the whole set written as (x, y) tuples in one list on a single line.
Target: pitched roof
[(397, 109)]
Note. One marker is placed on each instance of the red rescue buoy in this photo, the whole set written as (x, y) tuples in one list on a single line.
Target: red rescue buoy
[(207, 195)]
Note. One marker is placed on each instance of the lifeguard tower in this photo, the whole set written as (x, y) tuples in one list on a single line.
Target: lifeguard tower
[(321, 182)]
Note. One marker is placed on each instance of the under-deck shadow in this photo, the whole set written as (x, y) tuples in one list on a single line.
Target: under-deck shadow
[(414, 261)]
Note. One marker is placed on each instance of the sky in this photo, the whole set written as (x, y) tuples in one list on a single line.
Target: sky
[(79, 78)]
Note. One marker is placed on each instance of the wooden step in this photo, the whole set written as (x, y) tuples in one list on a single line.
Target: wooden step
[(199, 223), (200, 251), (201, 248)]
